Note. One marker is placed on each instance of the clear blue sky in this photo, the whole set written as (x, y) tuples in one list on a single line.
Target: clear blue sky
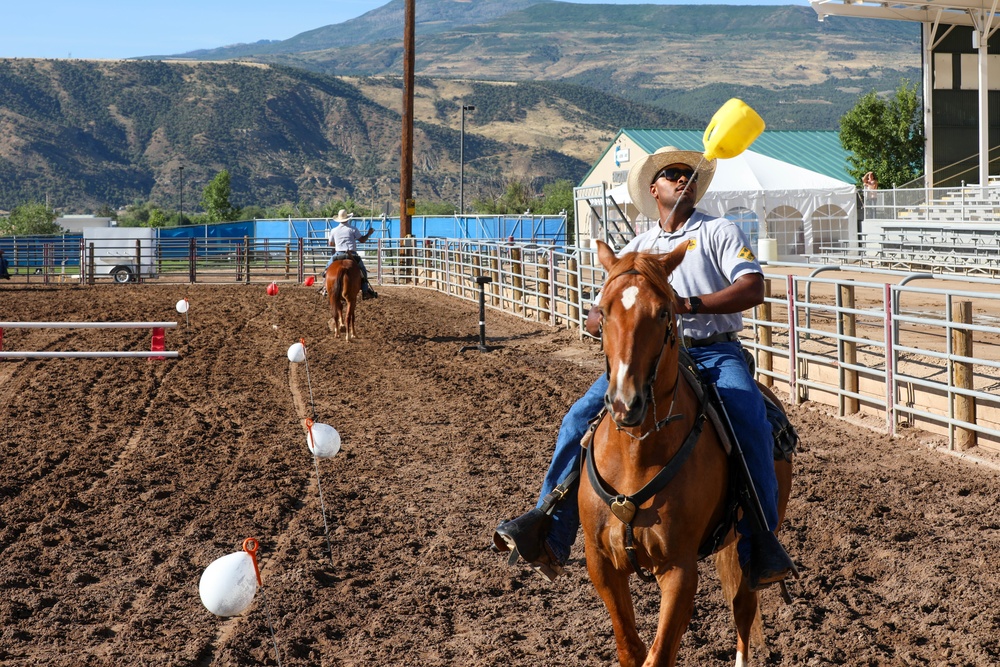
[(127, 28)]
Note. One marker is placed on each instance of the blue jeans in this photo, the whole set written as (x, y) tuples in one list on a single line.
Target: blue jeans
[(356, 258), (566, 459), (721, 363)]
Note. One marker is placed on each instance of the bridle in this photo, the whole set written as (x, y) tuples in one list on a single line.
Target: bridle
[(625, 507), (669, 340)]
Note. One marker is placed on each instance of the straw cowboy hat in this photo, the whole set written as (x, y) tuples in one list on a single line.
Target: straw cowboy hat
[(640, 176), (343, 215)]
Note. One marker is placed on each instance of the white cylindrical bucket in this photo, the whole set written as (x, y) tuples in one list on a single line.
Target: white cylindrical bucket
[(323, 440), (767, 250), (228, 584)]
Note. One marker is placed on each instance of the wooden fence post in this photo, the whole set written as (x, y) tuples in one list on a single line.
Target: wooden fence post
[(848, 328), (765, 359), (475, 270), (517, 279), (407, 259), (543, 291), (962, 375), (192, 260), (429, 270), (246, 259), (138, 261), (495, 286)]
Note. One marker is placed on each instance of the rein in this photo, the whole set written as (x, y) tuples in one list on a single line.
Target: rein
[(625, 506)]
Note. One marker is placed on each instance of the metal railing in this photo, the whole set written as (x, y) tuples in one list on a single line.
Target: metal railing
[(868, 341), (955, 251), (967, 203), (860, 346), (915, 355)]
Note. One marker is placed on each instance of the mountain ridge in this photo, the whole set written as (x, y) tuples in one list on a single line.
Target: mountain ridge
[(82, 134), (651, 54), (552, 82)]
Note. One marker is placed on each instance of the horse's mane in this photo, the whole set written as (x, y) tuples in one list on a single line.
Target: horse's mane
[(646, 264)]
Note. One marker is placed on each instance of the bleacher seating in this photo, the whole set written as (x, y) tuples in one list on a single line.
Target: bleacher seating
[(954, 230), (923, 247)]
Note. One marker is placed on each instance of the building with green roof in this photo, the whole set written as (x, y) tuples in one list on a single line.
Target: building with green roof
[(791, 187), (818, 151)]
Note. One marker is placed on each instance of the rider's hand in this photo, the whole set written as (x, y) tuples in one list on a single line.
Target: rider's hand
[(593, 324)]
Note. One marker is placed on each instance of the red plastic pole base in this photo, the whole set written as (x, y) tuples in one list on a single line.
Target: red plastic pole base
[(158, 343)]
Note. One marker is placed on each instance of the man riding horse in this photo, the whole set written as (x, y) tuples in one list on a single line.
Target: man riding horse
[(719, 279), (344, 239)]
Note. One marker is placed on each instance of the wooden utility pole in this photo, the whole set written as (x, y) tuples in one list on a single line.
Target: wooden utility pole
[(406, 162)]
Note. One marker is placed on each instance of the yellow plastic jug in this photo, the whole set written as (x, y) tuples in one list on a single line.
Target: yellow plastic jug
[(733, 128)]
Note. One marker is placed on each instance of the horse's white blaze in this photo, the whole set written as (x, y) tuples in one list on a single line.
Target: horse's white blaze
[(628, 296), (622, 375), (740, 662)]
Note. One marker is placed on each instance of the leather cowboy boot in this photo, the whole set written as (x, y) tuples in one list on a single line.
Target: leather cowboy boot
[(367, 292), (769, 562), (525, 537)]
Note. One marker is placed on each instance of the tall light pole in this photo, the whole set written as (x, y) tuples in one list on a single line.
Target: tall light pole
[(180, 197), (461, 162)]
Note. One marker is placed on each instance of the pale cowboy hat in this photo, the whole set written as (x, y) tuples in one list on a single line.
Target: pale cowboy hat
[(343, 215), (640, 176)]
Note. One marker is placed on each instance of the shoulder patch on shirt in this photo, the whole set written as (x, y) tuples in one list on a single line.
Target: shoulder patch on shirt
[(746, 253), (692, 244)]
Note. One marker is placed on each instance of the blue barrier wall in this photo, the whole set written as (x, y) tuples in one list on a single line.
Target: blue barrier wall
[(30, 250), (550, 229)]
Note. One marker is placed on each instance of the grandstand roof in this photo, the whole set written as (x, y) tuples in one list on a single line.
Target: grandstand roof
[(958, 12), (818, 151)]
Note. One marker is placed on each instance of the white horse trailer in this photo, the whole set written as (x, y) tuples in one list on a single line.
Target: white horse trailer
[(123, 253)]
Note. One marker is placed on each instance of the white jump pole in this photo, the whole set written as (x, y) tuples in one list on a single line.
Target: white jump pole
[(83, 355), (87, 325), (156, 353)]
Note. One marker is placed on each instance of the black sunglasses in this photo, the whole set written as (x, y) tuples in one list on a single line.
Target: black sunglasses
[(675, 173)]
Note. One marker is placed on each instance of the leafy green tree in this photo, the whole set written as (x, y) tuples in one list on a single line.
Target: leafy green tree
[(136, 215), (30, 219), (157, 218), (885, 137), (215, 199), (253, 212), (106, 211), (517, 198), (435, 208), (334, 205), (557, 197), (285, 210), (177, 220)]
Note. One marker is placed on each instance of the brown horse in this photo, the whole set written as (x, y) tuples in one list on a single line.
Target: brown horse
[(667, 530), (343, 282)]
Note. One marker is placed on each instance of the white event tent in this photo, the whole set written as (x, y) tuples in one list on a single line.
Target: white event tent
[(801, 210)]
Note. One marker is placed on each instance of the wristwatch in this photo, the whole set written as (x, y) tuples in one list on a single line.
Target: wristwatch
[(694, 305)]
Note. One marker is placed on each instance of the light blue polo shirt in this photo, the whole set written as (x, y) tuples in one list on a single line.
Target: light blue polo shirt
[(718, 253), (344, 237)]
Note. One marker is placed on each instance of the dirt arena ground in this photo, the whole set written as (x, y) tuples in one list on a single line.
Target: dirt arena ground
[(122, 479)]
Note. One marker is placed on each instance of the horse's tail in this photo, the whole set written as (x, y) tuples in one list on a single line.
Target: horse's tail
[(338, 284)]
